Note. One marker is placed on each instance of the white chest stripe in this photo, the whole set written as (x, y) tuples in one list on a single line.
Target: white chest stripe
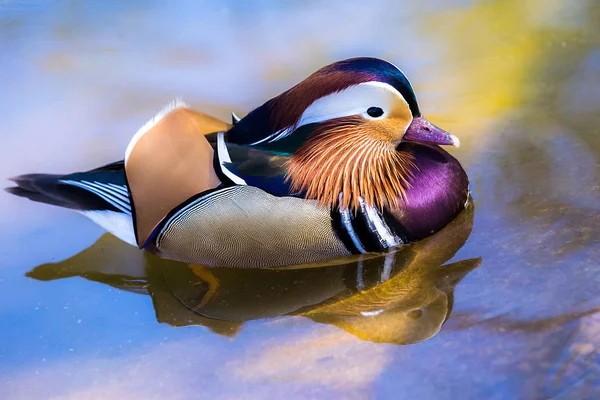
[(378, 226), (347, 222)]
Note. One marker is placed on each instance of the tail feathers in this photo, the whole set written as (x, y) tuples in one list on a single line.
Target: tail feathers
[(56, 189), (100, 194), (43, 188), (34, 182), (27, 190), (35, 187)]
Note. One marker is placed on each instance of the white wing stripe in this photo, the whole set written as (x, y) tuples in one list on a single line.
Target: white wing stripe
[(110, 194), (104, 196), (264, 139), (112, 191), (281, 134), (120, 188), (223, 156), (98, 193)]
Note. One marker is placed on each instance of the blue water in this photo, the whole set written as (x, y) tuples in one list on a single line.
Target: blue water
[(517, 81)]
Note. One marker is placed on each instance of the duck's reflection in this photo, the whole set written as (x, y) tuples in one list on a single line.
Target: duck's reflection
[(402, 297)]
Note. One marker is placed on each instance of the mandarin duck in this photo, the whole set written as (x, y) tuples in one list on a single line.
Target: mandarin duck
[(341, 164)]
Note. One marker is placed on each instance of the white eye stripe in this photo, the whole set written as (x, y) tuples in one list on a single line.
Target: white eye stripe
[(355, 100)]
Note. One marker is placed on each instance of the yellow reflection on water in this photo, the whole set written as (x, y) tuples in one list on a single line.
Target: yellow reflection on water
[(402, 297), (515, 80)]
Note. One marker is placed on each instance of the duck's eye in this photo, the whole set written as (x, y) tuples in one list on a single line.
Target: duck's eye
[(375, 112)]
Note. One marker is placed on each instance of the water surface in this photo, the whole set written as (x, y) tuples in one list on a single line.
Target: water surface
[(503, 304)]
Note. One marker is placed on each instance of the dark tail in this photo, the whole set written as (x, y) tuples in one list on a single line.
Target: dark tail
[(50, 189), (38, 188)]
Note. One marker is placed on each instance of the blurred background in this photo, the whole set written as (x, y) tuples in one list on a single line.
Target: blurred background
[(518, 81)]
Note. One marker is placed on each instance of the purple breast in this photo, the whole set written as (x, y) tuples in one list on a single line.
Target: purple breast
[(438, 193)]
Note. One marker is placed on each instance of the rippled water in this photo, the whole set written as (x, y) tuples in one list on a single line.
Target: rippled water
[(502, 304)]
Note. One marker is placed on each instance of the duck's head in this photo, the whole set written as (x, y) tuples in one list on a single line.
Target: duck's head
[(343, 127)]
